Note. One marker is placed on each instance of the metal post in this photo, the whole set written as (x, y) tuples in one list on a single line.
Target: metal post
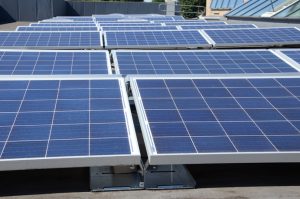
[(170, 7)]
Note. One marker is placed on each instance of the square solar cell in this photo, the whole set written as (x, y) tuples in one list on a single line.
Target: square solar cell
[(225, 127), (254, 37), (36, 62), (44, 129), (199, 62), (155, 39), (51, 40)]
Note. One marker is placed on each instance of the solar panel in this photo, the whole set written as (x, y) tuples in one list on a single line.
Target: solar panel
[(291, 55), (130, 28), (128, 24), (179, 23), (219, 119), (197, 27), (63, 24), (254, 37), (51, 40), (155, 39), (54, 62), (128, 62), (57, 28), (65, 122)]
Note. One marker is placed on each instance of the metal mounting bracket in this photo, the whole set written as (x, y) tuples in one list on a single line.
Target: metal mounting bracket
[(111, 178), (168, 177)]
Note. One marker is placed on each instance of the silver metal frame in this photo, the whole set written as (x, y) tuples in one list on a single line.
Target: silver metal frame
[(261, 44), (100, 46), (283, 58), (204, 158), (183, 46), (289, 60), (108, 64), (78, 161)]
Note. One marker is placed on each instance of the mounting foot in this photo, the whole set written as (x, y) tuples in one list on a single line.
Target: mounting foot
[(168, 177), (115, 178)]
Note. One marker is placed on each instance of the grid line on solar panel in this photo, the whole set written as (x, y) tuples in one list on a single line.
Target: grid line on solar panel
[(128, 62), (38, 124), (51, 40), (34, 62), (196, 27), (57, 28), (155, 39), (219, 119), (253, 37), (137, 28), (291, 55)]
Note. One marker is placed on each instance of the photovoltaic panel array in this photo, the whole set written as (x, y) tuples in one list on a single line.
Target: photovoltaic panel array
[(65, 123), (198, 62), (130, 28), (219, 120), (34, 62), (51, 40), (225, 26), (254, 37), (57, 28), (155, 39)]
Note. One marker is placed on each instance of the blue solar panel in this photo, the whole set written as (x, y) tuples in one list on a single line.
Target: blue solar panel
[(198, 62), (63, 24), (128, 24), (293, 54), (63, 119), (181, 23), (51, 40), (130, 28), (254, 37), (196, 27), (16, 62), (57, 28), (154, 39), (219, 120)]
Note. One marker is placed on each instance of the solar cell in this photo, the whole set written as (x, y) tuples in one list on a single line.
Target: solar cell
[(254, 37), (197, 27), (65, 122), (50, 40), (57, 28), (199, 62), (34, 62), (219, 119), (130, 28), (155, 39)]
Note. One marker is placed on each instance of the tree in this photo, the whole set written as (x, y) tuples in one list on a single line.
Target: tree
[(188, 8)]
